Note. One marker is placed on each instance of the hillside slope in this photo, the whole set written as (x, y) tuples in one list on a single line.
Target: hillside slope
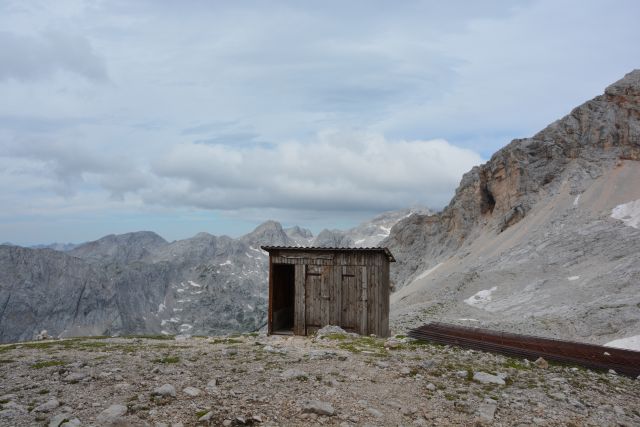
[(542, 238)]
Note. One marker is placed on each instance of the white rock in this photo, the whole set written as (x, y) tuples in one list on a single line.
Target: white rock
[(328, 330), (294, 373), (271, 349), (318, 407), (59, 420), (165, 390), (487, 410), (484, 378), (74, 377), (374, 412), (191, 391), (111, 414), (47, 406)]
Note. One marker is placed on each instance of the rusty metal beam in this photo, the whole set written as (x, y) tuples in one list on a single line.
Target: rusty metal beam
[(626, 362)]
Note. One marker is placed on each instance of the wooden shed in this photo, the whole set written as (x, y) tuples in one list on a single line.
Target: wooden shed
[(313, 287)]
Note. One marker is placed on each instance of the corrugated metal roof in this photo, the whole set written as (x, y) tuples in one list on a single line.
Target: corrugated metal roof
[(386, 251)]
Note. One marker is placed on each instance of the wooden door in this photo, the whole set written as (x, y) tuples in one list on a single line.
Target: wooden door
[(350, 303), (315, 284), (354, 297)]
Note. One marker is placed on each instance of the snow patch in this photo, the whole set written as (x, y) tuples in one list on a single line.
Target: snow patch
[(250, 307), (387, 230), (185, 327), (628, 213), (227, 262), (194, 284), (165, 333), (161, 308), (577, 199), (359, 241), (572, 278), (629, 343), (468, 319), (428, 272), (259, 250), (482, 298)]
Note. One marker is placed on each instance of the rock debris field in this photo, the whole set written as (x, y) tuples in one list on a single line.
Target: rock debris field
[(334, 378)]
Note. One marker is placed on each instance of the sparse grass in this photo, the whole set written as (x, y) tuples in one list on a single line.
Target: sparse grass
[(516, 364), (167, 359), (226, 341), (151, 337), (48, 364), (336, 336), (43, 391), (2, 361), (202, 413), (4, 401), (370, 345)]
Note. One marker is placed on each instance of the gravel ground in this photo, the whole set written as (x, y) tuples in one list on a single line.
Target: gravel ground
[(338, 379)]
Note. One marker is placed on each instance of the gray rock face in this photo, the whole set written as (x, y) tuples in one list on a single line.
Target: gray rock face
[(122, 248), (369, 233), (528, 242)]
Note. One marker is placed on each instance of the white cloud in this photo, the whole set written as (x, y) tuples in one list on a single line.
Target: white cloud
[(24, 58), (335, 171), (222, 106)]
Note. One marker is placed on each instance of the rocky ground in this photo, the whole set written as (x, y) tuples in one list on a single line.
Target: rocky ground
[(337, 379)]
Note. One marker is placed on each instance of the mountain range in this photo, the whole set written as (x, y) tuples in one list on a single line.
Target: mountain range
[(138, 283)]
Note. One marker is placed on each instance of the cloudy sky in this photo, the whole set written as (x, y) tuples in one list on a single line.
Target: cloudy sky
[(181, 117)]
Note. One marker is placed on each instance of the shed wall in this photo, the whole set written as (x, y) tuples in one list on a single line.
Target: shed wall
[(349, 289)]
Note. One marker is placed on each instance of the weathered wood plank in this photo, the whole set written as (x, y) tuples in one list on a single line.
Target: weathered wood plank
[(270, 305), (299, 321), (363, 302)]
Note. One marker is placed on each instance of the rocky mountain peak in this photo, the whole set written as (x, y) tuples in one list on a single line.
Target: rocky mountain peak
[(500, 193), (629, 85), (268, 233)]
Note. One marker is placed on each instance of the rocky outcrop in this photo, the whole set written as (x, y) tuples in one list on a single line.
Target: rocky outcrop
[(120, 248), (369, 233), (500, 193)]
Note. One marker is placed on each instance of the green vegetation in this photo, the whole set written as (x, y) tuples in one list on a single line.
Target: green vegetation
[(43, 391), (151, 337), (167, 359), (516, 364), (226, 341), (2, 361), (368, 345), (202, 413), (336, 336), (48, 364)]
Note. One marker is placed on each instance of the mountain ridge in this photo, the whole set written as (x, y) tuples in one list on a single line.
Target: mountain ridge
[(535, 222)]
